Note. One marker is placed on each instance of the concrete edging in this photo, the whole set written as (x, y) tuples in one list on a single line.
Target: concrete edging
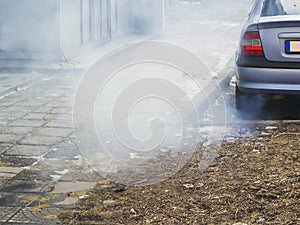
[(212, 90)]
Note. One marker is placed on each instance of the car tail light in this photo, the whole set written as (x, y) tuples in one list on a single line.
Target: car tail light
[(251, 44)]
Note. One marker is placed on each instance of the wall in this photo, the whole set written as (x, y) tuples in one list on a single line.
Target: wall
[(49, 29), (70, 37), (86, 24)]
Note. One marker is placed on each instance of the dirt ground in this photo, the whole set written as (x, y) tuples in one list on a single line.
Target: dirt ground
[(252, 181)]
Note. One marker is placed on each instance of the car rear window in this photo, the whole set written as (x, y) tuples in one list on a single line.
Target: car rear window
[(281, 7)]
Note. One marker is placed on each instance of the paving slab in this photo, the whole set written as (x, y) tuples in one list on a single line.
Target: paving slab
[(16, 161), (9, 138), (7, 212), (66, 187), (59, 110), (67, 117), (23, 186), (4, 147), (27, 123), (39, 217), (15, 108), (54, 132), (39, 140), (16, 130), (39, 116), (27, 150), (6, 103), (60, 124), (11, 170), (44, 109)]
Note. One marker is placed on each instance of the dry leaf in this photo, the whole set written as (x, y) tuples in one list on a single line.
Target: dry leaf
[(38, 208), (104, 182), (51, 217)]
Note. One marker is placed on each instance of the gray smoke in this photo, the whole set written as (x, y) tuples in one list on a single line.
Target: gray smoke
[(28, 29)]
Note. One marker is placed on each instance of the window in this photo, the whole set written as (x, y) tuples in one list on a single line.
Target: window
[(281, 7)]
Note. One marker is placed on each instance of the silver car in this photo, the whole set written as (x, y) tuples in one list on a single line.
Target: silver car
[(268, 58)]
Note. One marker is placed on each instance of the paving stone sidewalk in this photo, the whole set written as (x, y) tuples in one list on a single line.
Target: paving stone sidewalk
[(37, 149), (42, 172)]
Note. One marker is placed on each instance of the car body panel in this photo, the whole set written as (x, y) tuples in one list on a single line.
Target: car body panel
[(268, 80), (278, 71), (262, 62), (274, 32)]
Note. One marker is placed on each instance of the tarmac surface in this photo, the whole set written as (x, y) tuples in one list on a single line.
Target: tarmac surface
[(42, 172)]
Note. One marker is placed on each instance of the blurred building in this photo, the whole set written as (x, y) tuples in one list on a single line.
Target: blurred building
[(49, 29)]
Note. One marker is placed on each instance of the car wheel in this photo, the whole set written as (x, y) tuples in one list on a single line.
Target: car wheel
[(246, 102)]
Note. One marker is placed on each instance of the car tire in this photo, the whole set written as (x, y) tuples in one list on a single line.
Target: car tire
[(246, 102)]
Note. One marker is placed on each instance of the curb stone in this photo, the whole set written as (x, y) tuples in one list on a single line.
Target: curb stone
[(214, 88)]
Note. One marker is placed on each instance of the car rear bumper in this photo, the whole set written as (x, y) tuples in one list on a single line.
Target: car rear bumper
[(262, 62), (268, 80)]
